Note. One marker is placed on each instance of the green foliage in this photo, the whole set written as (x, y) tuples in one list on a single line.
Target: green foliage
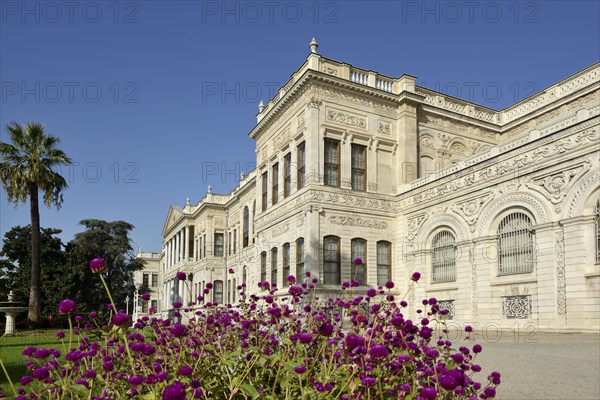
[(16, 263), (108, 240)]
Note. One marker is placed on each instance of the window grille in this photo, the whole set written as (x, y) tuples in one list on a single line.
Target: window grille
[(300, 260), (359, 167), (358, 250), (273, 281), (331, 260), (145, 280), (286, 263), (218, 245), (443, 257), (246, 227), (154, 280), (263, 266), (275, 187), (447, 305), (218, 292), (301, 162), (287, 174), (515, 245), (384, 262), (265, 185), (516, 307), (332, 163)]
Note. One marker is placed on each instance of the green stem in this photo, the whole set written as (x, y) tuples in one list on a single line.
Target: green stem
[(108, 291), (8, 377)]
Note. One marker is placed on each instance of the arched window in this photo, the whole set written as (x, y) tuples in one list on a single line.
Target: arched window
[(218, 292), (384, 262), (300, 259), (331, 260), (273, 281), (246, 227), (443, 257), (359, 250), (286, 263), (263, 266), (515, 244), (597, 222)]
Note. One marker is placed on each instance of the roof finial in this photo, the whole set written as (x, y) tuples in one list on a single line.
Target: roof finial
[(209, 189), (261, 107), (313, 45), (187, 201)]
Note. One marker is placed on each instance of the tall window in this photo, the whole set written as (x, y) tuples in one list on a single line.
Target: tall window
[(265, 186), (300, 259), (358, 250), (154, 280), (154, 305), (301, 161), (287, 174), (244, 275), (229, 291), (263, 266), (359, 167), (234, 291), (275, 187), (246, 227), (515, 244), (443, 257), (229, 243), (234, 241), (286, 263), (384, 262), (273, 266), (253, 218), (597, 222), (145, 280), (218, 250), (332, 162), (218, 292), (204, 246), (331, 260)]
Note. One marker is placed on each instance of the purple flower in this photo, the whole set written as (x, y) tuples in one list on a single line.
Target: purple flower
[(185, 370), (291, 280), (415, 277), (428, 392), (135, 380), (448, 382), (378, 351), (299, 369), (175, 391), (326, 329), (25, 380), (477, 348), (371, 292), (468, 328), (177, 304), (295, 290), (305, 337), (389, 284), (120, 319), (230, 270), (358, 261), (179, 330), (92, 315), (60, 335), (67, 306), (209, 285), (181, 276), (146, 297), (490, 392), (98, 265), (368, 381)]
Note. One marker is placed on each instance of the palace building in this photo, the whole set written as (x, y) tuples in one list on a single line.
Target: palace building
[(498, 210)]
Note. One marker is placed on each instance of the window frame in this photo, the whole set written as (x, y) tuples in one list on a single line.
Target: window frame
[(301, 165), (332, 276), (336, 165), (357, 169), (381, 265), (443, 264)]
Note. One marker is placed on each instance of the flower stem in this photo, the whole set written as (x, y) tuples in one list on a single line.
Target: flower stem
[(8, 377), (108, 291)]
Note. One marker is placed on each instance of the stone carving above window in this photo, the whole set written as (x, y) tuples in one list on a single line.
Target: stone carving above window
[(348, 119), (384, 127), (516, 307), (360, 222), (471, 208)]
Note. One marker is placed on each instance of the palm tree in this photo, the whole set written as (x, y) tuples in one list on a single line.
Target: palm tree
[(26, 167)]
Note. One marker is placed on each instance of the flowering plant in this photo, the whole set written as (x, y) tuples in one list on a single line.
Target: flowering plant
[(281, 345)]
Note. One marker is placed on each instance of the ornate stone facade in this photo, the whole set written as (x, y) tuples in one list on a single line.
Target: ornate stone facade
[(364, 158)]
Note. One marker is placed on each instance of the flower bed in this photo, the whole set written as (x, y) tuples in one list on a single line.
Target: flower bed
[(296, 346)]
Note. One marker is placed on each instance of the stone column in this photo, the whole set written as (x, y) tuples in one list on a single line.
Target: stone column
[(314, 146)]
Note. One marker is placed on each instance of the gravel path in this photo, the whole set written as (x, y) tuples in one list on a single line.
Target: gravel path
[(541, 366)]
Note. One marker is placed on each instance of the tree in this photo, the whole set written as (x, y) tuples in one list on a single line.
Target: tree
[(108, 240), (27, 166), (16, 261)]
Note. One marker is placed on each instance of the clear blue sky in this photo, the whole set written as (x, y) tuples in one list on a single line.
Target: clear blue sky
[(149, 97)]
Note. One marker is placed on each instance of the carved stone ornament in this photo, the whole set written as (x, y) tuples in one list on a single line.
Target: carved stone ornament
[(360, 222), (346, 119)]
